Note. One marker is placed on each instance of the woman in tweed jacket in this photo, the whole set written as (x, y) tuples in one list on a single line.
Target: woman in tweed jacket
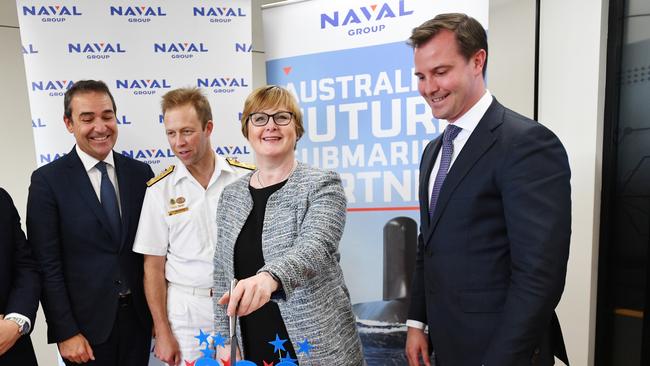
[(299, 275)]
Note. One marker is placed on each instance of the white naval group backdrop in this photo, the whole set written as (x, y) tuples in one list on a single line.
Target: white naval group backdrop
[(141, 52)]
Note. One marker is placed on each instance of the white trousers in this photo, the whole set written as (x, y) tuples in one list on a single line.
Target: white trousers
[(187, 315)]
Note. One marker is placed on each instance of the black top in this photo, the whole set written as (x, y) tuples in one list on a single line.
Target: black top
[(261, 326)]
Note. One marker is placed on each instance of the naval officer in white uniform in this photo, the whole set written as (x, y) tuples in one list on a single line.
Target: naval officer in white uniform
[(177, 230)]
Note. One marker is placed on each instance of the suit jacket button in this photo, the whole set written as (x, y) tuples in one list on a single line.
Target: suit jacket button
[(117, 282), (429, 252)]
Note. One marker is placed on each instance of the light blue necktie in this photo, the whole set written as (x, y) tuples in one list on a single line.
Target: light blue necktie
[(445, 161), (108, 199)]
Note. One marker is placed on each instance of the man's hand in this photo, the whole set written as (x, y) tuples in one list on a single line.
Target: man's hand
[(9, 334), (250, 294), (76, 349), (417, 346), (167, 349)]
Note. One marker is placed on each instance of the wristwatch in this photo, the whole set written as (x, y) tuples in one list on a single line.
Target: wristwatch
[(23, 327)]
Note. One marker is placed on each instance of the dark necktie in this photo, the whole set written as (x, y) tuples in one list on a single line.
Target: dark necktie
[(108, 199), (445, 161)]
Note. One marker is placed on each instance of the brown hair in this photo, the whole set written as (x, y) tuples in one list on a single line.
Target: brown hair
[(470, 34), (192, 96), (272, 97), (85, 86)]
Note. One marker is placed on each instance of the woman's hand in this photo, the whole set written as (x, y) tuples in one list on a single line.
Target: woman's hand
[(250, 294), (223, 354)]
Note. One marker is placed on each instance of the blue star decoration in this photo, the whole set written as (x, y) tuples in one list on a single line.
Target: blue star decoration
[(207, 352), (288, 360), (219, 340), (278, 343), (304, 347), (202, 337)]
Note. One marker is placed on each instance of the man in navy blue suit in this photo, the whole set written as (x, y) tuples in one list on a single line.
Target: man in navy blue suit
[(19, 289), (82, 215), (495, 216)]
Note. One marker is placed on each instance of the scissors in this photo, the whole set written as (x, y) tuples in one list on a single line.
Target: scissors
[(233, 327)]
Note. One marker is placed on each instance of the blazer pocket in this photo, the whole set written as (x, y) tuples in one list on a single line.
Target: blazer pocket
[(482, 300)]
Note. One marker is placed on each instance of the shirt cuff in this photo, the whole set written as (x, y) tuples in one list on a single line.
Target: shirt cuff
[(415, 324), (21, 316)]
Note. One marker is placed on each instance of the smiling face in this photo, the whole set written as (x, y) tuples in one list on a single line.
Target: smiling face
[(93, 123), (272, 141), (189, 141), (450, 83)]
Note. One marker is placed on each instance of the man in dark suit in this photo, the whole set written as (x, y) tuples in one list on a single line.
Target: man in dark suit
[(495, 213), (19, 289), (82, 215)]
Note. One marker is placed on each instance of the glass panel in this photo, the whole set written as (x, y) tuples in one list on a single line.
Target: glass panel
[(632, 202)]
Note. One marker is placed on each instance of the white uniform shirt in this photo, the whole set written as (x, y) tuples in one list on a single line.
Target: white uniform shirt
[(178, 220)]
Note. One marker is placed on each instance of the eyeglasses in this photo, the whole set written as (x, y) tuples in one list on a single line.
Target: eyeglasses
[(260, 119)]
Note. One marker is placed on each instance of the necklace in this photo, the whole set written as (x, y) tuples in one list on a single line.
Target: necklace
[(259, 175)]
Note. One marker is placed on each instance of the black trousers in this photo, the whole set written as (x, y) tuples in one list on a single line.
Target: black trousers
[(129, 343), (21, 354)]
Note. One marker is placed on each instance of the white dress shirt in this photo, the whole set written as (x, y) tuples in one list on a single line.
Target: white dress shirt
[(95, 175)]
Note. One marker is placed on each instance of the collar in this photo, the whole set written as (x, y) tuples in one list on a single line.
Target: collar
[(220, 166), (471, 118), (89, 162)]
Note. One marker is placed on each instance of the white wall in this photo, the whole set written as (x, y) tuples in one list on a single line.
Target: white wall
[(572, 89), (511, 60)]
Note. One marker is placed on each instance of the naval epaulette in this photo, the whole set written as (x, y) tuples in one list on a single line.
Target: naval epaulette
[(239, 164), (160, 176)]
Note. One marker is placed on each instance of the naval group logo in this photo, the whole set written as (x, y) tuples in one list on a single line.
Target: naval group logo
[(362, 20), (38, 123), (231, 150), (219, 15), (29, 49), (149, 156), (142, 86), (137, 14), (96, 50), (180, 50), (54, 88), (243, 47), (48, 157), (51, 13), (222, 85)]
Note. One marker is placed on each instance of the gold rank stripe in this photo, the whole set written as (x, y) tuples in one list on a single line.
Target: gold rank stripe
[(239, 164), (160, 176), (175, 212)]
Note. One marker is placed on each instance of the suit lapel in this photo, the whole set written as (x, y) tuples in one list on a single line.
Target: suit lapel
[(476, 146), (81, 184), (123, 181), (428, 160)]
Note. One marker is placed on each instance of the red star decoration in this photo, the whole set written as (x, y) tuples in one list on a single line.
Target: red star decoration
[(188, 363), (268, 364), (226, 362)]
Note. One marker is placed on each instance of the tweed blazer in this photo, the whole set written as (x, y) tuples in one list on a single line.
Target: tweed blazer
[(303, 224)]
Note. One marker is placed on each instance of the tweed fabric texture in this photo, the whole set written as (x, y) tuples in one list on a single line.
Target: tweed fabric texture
[(303, 224)]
